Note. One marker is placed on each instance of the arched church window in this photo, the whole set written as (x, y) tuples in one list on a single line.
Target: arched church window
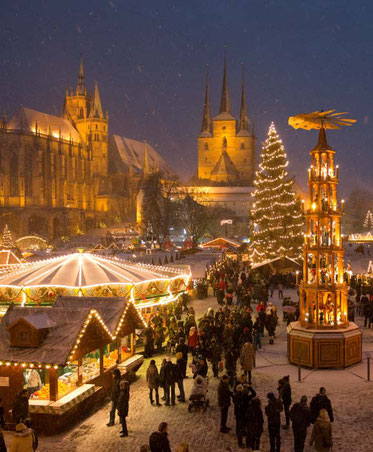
[(224, 142), (14, 174), (81, 112), (206, 146), (242, 145), (28, 174)]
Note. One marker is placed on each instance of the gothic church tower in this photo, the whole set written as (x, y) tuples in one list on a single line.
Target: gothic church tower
[(226, 149)]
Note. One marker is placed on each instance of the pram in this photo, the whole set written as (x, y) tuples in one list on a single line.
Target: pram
[(198, 397)]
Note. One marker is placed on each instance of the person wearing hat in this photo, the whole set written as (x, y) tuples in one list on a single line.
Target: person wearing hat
[(23, 440), (322, 433)]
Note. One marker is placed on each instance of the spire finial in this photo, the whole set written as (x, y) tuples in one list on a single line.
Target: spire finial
[(96, 111), (225, 104), (81, 89), (206, 119), (244, 125)]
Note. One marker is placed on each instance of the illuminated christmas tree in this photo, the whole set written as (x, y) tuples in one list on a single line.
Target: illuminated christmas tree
[(368, 222), (276, 214), (7, 241)]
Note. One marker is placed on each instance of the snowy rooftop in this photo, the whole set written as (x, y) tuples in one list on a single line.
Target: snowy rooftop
[(26, 120), (128, 153)]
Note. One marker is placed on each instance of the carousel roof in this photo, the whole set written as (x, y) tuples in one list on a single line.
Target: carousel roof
[(82, 270)]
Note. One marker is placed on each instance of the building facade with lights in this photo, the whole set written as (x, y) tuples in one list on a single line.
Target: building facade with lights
[(226, 147), (62, 174)]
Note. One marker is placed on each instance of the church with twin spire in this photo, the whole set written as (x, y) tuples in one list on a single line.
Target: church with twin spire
[(226, 147)]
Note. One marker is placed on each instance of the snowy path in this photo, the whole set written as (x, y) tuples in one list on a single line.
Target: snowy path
[(351, 396)]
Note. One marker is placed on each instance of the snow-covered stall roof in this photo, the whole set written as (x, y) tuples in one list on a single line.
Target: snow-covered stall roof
[(221, 242), (126, 153), (278, 260), (57, 344), (26, 120), (110, 309), (83, 270)]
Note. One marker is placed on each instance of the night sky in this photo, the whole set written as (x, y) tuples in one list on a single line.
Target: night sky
[(150, 59)]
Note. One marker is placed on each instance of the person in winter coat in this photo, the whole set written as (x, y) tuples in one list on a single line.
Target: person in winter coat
[(241, 400), (215, 357), (247, 359), (168, 380), (192, 338), (158, 440), (152, 379), (179, 375), (201, 367), (114, 396), (148, 342), (300, 415), (20, 409), (123, 405), (284, 391), (199, 388), (183, 348), (254, 424), (273, 413), (319, 402), (224, 401), (23, 440), (322, 433)]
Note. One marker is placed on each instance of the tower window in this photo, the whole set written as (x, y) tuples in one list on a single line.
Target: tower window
[(223, 128), (81, 112), (206, 146), (224, 142), (242, 145)]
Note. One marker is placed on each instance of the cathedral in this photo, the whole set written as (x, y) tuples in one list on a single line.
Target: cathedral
[(62, 175), (226, 147)]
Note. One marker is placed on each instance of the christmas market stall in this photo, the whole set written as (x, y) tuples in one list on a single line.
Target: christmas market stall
[(64, 356), (85, 274)]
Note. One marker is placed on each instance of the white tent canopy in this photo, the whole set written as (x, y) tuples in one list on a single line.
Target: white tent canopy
[(83, 270)]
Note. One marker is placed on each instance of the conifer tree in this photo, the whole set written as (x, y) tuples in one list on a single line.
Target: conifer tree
[(368, 222), (7, 238), (276, 214)]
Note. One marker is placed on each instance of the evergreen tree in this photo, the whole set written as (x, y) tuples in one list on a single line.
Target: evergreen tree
[(7, 238), (368, 222), (276, 214)]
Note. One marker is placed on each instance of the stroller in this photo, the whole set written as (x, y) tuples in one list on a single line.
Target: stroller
[(198, 398)]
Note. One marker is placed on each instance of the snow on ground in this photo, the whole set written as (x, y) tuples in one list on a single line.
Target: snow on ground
[(350, 393)]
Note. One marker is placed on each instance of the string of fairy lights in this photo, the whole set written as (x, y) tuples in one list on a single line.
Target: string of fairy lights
[(276, 214)]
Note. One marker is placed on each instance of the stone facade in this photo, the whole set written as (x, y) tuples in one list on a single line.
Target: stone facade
[(226, 147)]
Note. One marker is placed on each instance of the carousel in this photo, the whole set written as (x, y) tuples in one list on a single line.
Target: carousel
[(83, 274)]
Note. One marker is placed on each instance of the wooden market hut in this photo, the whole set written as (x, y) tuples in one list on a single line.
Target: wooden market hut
[(64, 348), (281, 264)]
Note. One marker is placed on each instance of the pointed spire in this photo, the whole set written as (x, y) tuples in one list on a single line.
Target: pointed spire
[(146, 169), (96, 111), (81, 89), (4, 120), (206, 120), (225, 103), (244, 125)]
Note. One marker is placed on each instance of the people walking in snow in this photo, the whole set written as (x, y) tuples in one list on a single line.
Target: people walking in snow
[(247, 359), (224, 402), (168, 379), (153, 380), (300, 415), (284, 391), (322, 433), (114, 396), (254, 424), (321, 401), (123, 405), (158, 440), (273, 412)]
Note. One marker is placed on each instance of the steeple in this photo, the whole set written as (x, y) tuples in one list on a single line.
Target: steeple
[(206, 120), (322, 143), (244, 125), (96, 110), (225, 103), (4, 120), (81, 89), (146, 168)]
